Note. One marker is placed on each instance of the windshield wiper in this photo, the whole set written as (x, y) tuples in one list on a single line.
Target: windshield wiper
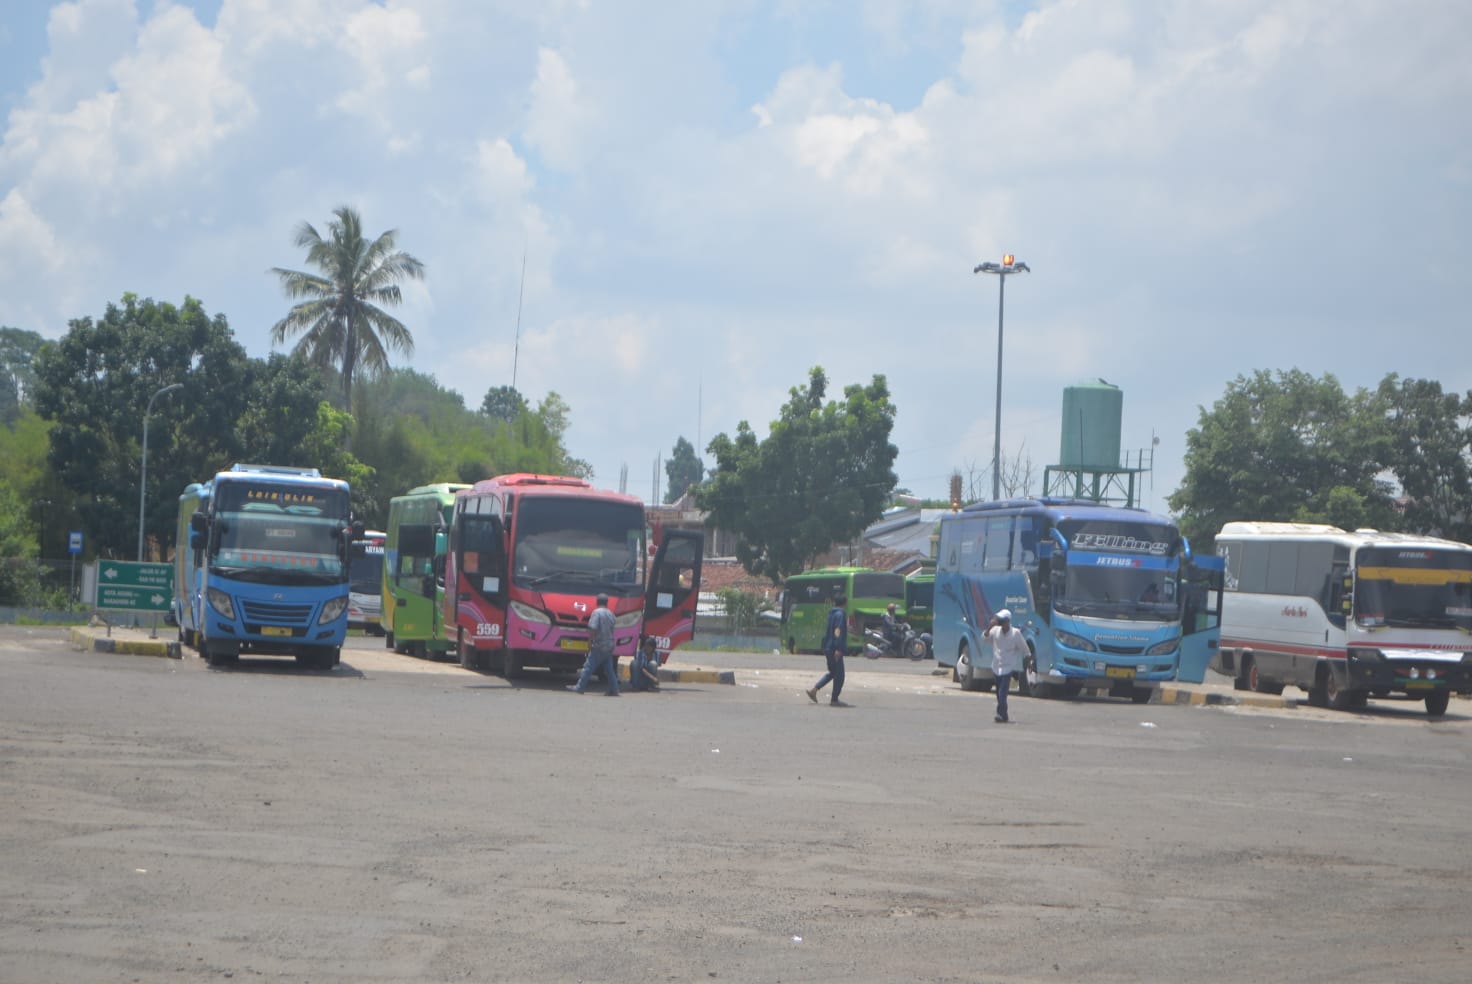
[(553, 575)]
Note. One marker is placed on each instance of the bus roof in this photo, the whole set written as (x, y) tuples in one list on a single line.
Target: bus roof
[(445, 489), (1058, 508), (525, 483), (270, 473), (836, 572), (1332, 534)]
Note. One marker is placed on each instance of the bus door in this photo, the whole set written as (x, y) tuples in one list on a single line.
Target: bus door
[(1201, 616), (478, 593), (673, 589), (413, 573)]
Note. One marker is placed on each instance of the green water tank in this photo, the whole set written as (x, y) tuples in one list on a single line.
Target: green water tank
[(1091, 420)]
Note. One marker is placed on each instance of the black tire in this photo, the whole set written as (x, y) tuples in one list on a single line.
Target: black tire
[(915, 648), (1336, 697), (1436, 702), (1142, 695), (388, 641), (510, 664), (1028, 677), (1318, 694), (1257, 683), (967, 680), (469, 657), (217, 657), (1245, 672), (791, 646)]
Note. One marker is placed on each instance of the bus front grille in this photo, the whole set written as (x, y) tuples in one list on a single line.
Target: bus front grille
[(273, 613)]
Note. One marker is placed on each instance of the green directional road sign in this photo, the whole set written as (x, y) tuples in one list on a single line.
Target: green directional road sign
[(132, 587)]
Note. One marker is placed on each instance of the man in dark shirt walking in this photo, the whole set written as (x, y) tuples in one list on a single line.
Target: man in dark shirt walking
[(835, 644)]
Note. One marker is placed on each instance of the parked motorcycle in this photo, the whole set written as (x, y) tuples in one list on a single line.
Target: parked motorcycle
[(912, 645)]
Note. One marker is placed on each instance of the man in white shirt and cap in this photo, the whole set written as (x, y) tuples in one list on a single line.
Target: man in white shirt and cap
[(1009, 655)]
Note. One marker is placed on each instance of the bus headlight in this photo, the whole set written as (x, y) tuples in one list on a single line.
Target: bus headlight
[(332, 610), (628, 619), (1073, 641), (527, 613), (1161, 648), (221, 603)]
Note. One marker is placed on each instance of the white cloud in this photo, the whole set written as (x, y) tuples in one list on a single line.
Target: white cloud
[(558, 119)]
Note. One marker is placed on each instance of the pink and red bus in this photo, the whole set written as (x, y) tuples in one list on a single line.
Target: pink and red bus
[(528, 556)]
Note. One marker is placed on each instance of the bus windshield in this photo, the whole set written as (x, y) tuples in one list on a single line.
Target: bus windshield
[(1119, 570), (1416, 587), (365, 566), (284, 534), (574, 545)]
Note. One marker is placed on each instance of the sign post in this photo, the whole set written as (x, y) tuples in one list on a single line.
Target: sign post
[(135, 587), (73, 547)]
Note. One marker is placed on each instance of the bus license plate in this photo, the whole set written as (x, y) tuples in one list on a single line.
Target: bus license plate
[(1419, 685), (576, 645), (276, 630), (1120, 672)]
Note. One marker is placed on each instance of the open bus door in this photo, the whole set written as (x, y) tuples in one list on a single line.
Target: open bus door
[(475, 587), (1201, 616), (673, 589)]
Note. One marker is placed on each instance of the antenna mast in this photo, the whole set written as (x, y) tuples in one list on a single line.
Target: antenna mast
[(520, 292)]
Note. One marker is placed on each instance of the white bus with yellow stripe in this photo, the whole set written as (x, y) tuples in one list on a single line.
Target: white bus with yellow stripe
[(1344, 615)]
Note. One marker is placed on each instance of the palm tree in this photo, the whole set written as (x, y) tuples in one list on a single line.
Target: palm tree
[(341, 322)]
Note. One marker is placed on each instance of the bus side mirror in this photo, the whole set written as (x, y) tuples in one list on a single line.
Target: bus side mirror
[(196, 539), (199, 523)]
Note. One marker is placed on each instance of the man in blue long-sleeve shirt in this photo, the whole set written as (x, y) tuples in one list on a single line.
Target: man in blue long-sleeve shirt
[(835, 644)]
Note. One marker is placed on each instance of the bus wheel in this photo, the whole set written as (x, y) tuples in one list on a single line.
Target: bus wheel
[(468, 658), (1335, 696), (388, 641), (1436, 702), (510, 664), (1027, 680), (1246, 678), (1142, 695), (964, 672), (791, 646), (1318, 694), (1257, 684)]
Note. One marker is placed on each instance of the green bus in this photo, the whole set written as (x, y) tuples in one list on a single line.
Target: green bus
[(807, 597), (414, 570), (920, 599)]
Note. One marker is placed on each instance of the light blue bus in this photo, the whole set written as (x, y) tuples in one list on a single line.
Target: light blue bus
[(1107, 596), (261, 565)]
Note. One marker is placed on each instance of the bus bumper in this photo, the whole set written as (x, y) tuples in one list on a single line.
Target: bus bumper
[(1415, 673)]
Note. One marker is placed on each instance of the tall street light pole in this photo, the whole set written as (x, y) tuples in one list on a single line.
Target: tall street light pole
[(1009, 265), (143, 472)]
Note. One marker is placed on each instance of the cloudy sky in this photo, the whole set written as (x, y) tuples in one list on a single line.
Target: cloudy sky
[(713, 197)]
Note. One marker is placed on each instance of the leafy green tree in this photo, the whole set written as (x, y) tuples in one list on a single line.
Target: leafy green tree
[(823, 474), (743, 608), (93, 386), (1285, 446), (342, 322), (1430, 440), (503, 403), (325, 445), (684, 470), (17, 354), (413, 431), (19, 570), (281, 396)]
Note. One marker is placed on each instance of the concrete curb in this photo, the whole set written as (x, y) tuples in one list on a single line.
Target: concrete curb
[(1184, 695), (669, 674), (86, 638)]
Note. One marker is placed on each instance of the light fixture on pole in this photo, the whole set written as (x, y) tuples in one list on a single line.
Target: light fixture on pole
[(143, 472), (1009, 265)]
